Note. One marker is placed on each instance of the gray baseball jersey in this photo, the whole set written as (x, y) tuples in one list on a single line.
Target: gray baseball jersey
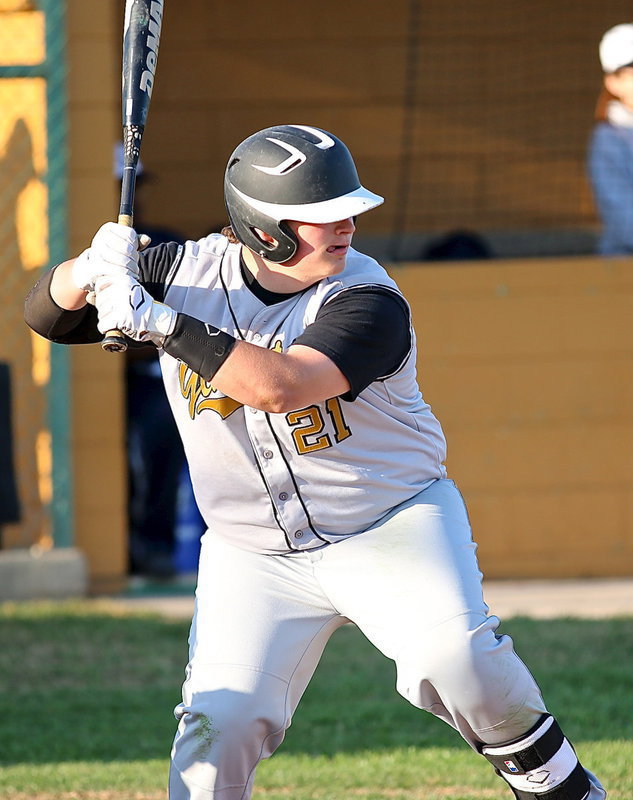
[(313, 475)]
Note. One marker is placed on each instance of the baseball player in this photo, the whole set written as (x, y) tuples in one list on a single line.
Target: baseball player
[(289, 360)]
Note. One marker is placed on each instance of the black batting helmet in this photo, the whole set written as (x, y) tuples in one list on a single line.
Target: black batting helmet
[(290, 172)]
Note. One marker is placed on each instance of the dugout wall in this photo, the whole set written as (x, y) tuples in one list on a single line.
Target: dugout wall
[(465, 116)]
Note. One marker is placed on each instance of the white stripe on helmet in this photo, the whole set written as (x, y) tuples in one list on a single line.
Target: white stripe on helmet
[(348, 205), (294, 160)]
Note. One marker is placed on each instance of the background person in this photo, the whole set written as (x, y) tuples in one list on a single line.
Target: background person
[(290, 364), (611, 146)]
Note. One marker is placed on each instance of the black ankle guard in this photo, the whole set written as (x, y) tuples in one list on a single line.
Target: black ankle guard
[(541, 765)]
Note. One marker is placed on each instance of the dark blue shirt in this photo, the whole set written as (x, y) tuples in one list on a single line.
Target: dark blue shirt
[(611, 174)]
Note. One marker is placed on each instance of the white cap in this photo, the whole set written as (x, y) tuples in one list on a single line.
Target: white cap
[(616, 48)]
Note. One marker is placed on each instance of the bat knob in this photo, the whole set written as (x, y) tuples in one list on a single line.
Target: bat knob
[(114, 342)]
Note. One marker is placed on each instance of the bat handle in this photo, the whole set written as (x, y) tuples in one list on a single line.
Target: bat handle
[(114, 340)]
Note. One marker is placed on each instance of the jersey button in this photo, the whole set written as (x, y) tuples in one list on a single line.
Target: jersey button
[(268, 454), (298, 534), (256, 337), (283, 495)]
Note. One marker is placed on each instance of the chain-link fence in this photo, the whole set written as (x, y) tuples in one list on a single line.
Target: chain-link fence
[(33, 405)]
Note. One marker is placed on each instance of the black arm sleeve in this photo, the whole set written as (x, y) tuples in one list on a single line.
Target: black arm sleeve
[(155, 265), (365, 331), (45, 317)]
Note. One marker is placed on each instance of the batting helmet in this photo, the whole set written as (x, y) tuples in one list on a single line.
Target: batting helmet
[(290, 172)]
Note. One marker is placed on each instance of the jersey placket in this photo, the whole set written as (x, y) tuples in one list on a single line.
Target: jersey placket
[(279, 480), (274, 467)]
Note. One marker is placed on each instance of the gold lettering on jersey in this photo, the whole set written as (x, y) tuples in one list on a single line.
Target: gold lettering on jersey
[(198, 393), (341, 428), (308, 425)]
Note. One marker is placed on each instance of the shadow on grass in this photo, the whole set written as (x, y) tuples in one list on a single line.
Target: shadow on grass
[(79, 686)]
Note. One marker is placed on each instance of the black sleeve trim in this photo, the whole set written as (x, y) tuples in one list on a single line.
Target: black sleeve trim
[(157, 267), (201, 346), (365, 331), (45, 317)]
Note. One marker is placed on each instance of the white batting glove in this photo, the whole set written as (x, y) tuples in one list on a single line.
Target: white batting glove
[(122, 303), (113, 252)]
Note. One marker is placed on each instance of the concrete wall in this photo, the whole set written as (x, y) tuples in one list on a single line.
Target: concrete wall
[(529, 366)]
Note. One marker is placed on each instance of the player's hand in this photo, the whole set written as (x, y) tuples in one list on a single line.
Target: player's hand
[(122, 303), (113, 252)]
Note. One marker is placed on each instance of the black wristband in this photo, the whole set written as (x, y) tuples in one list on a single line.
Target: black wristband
[(201, 346)]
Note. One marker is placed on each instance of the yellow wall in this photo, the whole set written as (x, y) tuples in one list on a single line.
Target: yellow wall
[(23, 251), (529, 366), (97, 431)]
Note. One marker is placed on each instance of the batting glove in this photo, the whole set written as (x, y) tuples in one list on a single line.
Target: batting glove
[(113, 252), (124, 304)]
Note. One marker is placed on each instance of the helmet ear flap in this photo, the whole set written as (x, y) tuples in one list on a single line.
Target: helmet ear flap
[(283, 247), (289, 241), (245, 219)]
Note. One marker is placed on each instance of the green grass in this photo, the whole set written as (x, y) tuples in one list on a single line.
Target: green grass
[(86, 699)]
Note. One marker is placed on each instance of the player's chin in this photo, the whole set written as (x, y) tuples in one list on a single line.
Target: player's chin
[(336, 257)]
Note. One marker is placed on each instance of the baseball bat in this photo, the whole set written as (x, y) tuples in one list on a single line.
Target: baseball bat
[(141, 37)]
